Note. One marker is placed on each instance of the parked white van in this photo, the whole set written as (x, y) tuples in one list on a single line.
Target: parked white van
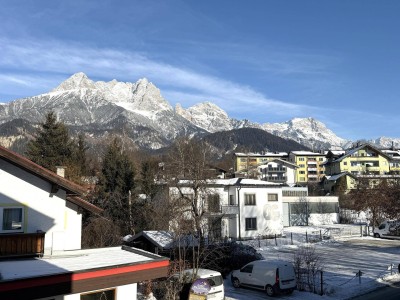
[(272, 276), (388, 229), (213, 278)]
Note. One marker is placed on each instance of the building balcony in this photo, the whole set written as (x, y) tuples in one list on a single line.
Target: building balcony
[(278, 179), (273, 170), (21, 244), (373, 169), (230, 209), (312, 175), (312, 169)]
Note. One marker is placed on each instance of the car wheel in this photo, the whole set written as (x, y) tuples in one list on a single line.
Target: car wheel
[(376, 235), (235, 282), (270, 290)]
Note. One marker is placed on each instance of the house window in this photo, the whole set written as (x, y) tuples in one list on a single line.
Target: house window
[(321, 159), (249, 199), (99, 295), (213, 203), (231, 200), (301, 158), (251, 223), (11, 219), (302, 172), (272, 197), (302, 165), (345, 163)]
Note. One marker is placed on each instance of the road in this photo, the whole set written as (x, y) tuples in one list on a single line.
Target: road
[(391, 292)]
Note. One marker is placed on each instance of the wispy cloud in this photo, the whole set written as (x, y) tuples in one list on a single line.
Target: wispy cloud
[(44, 64), (55, 58)]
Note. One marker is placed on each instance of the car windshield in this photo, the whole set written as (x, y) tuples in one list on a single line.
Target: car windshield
[(215, 281)]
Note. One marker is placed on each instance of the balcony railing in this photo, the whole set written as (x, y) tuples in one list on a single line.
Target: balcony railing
[(21, 244), (270, 169), (230, 209)]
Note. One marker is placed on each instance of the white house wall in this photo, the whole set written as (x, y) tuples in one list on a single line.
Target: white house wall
[(317, 218), (43, 211), (268, 213)]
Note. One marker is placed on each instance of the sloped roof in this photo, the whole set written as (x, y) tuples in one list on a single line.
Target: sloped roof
[(352, 151), (266, 154), (284, 162), (73, 190), (337, 176), (166, 239), (306, 153)]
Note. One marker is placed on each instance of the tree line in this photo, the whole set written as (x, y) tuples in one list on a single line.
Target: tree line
[(131, 187)]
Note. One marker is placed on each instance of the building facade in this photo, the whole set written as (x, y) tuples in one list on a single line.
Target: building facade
[(310, 166)]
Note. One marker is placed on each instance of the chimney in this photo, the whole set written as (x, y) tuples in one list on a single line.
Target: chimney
[(60, 171)]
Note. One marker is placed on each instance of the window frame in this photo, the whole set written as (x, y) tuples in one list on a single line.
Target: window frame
[(248, 226), (20, 230), (250, 201), (273, 200)]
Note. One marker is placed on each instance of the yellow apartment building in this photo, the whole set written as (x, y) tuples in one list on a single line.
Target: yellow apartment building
[(310, 166)]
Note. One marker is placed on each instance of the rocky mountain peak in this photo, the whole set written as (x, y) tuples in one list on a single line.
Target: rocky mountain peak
[(206, 115), (76, 81)]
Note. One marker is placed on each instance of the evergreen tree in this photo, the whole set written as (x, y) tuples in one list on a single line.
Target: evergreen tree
[(148, 177), (116, 186), (52, 146)]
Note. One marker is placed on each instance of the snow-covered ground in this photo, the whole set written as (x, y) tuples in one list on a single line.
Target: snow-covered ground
[(342, 256)]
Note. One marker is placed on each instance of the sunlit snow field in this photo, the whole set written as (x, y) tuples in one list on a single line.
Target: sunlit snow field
[(341, 256)]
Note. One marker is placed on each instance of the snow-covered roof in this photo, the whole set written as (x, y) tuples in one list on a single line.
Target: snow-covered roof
[(337, 176), (277, 160), (234, 181), (166, 239), (244, 181), (73, 261), (162, 238), (352, 151), (267, 154), (306, 153)]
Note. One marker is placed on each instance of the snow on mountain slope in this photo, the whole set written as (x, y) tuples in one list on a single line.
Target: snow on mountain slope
[(206, 115), (80, 101), (141, 97), (307, 131)]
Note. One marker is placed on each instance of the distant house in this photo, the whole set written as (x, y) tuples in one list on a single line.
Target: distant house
[(278, 170), (41, 215), (161, 242), (239, 208), (245, 162)]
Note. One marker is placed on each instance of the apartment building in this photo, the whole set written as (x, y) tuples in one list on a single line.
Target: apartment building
[(310, 166), (362, 162), (245, 162)]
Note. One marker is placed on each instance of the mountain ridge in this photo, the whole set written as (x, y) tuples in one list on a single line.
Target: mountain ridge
[(147, 119)]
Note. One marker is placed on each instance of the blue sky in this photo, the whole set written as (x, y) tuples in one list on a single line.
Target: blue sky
[(262, 60)]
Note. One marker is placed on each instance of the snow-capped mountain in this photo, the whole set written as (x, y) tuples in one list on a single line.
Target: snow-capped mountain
[(138, 112), (386, 142), (134, 110), (306, 131)]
